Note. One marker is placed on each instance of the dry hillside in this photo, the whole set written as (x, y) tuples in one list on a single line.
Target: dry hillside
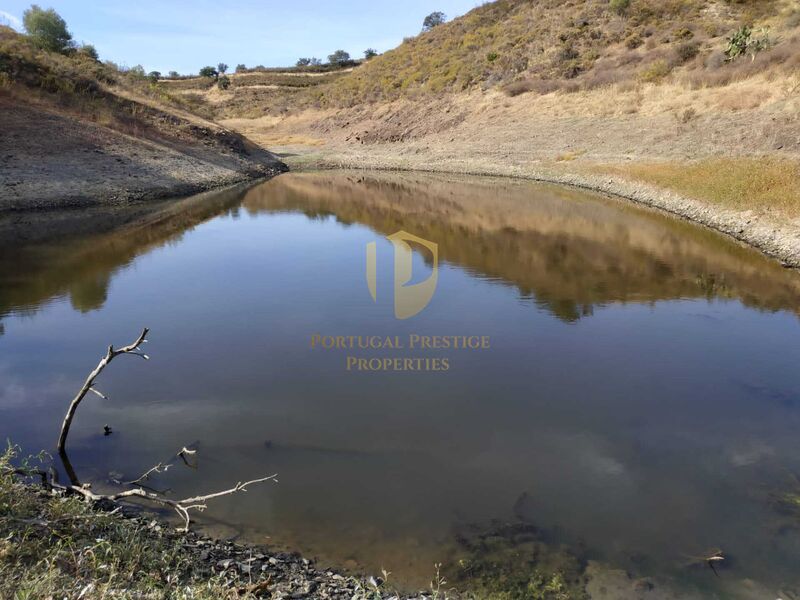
[(77, 132), (548, 45), (544, 46), (689, 105)]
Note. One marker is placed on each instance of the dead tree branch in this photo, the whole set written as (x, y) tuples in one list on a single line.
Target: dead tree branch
[(163, 467), (182, 507), (88, 385)]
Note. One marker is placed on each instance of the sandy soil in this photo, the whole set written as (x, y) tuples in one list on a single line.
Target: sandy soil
[(50, 160)]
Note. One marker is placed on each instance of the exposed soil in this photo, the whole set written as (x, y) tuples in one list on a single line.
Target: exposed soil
[(54, 160)]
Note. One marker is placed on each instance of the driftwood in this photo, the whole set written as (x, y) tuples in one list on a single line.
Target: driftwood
[(182, 507), (88, 385)]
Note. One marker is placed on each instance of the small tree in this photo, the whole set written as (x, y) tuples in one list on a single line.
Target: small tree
[(174, 74), (208, 72), (224, 82), (303, 62), (154, 76), (340, 57), (370, 53), (240, 68), (47, 29), (315, 62), (222, 68), (434, 19)]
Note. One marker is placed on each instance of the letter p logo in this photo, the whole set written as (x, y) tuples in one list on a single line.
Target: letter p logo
[(409, 300)]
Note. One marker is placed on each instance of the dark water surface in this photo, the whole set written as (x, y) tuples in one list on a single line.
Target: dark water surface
[(639, 401)]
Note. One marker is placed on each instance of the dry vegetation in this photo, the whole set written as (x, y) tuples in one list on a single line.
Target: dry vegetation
[(58, 546), (760, 184), (77, 82), (535, 47), (579, 44)]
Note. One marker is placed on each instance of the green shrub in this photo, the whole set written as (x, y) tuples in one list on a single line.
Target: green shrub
[(88, 51), (208, 72), (633, 41), (137, 72), (742, 43), (340, 57), (223, 82), (433, 20), (619, 6), (686, 52), (655, 72)]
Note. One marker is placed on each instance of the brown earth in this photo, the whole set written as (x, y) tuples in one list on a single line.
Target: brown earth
[(50, 158)]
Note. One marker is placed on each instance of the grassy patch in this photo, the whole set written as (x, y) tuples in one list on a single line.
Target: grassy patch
[(760, 184), (55, 546), (509, 561)]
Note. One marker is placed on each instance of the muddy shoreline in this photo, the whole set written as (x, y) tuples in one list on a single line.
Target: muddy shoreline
[(775, 239), (126, 197)]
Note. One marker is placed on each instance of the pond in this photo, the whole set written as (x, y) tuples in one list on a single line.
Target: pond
[(608, 385)]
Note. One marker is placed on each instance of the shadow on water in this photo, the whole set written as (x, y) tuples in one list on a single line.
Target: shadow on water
[(48, 254)]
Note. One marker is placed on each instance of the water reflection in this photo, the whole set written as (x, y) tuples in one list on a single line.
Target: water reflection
[(567, 250), (639, 397), (46, 255)]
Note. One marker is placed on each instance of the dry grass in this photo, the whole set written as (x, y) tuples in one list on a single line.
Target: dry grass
[(548, 45), (758, 184), (80, 84), (535, 47), (53, 546)]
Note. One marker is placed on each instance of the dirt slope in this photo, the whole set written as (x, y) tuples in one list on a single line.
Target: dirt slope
[(77, 132), (55, 160)]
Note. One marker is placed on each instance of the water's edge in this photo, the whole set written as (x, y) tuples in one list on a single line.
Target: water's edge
[(777, 240)]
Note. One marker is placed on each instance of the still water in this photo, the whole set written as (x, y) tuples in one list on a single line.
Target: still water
[(638, 403)]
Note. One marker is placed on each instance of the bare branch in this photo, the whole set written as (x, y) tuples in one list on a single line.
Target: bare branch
[(182, 507), (94, 391), (162, 467), (186, 452), (239, 487), (111, 354), (159, 468)]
